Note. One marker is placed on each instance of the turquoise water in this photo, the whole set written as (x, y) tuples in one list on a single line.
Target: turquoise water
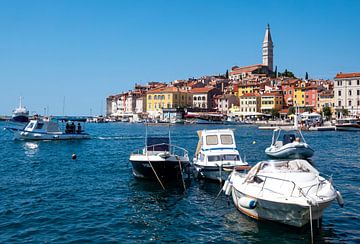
[(47, 197)]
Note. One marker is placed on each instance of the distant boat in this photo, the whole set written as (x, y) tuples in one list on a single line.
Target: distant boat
[(216, 154), (348, 124), (20, 114), (38, 129), (160, 160)]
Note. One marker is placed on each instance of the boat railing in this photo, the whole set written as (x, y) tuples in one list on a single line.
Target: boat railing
[(294, 186), (171, 149)]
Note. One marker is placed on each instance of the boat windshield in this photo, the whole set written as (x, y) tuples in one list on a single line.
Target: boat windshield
[(225, 157), (211, 140)]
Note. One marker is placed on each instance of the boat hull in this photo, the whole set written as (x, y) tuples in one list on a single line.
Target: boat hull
[(24, 135), (165, 169), (290, 153), (215, 173), (285, 213), (348, 127)]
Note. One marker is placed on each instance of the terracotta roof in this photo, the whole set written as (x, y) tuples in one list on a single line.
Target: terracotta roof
[(205, 89), (271, 94), (250, 95), (347, 75), (250, 68), (168, 89)]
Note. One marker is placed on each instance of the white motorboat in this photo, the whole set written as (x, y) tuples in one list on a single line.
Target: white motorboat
[(216, 154), (289, 192), (159, 160), (348, 124), (38, 129), (292, 145)]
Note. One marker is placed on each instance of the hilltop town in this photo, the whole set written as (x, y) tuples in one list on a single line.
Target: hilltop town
[(251, 92)]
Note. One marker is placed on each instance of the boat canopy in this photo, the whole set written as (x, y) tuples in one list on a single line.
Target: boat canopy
[(215, 139), (69, 118), (158, 143)]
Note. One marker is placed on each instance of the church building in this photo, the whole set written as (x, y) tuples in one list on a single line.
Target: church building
[(257, 70)]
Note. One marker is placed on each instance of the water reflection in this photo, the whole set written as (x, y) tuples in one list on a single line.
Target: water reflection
[(31, 148)]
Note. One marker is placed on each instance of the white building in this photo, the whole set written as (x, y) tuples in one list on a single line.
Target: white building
[(347, 93)]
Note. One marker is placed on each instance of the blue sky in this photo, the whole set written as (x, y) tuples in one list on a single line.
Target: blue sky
[(86, 50)]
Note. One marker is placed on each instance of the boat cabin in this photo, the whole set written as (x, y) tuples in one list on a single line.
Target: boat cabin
[(215, 140), (41, 126)]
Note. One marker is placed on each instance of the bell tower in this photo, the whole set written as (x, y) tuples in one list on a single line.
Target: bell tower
[(267, 50)]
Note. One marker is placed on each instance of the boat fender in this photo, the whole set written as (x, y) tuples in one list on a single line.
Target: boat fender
[(339, 199), (247, 202), (227, 186)]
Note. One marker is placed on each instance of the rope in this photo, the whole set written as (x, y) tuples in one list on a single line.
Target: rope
[(311, 226), (157, 177), (181, 172)]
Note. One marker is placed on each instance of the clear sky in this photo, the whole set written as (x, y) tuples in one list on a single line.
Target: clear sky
[(86, 50)]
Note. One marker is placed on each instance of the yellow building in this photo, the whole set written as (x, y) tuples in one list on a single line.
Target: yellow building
[(299, 96), (248, 88), (166, 97), (326, 99), (271, 101)]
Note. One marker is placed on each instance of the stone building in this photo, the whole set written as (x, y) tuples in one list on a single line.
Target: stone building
[(347, 93)]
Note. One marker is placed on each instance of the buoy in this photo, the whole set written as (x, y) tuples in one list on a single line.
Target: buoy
[(247, 202), (254, 142), (73, 156), (339, 199)]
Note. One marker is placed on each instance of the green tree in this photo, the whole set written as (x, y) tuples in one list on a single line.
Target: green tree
[(274, 113), (306, 76), (308, 109), (344, 112), (291, 110), (327, 112), (227, 74), (287, 73)]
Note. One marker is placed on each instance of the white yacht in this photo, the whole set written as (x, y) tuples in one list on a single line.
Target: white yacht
[(20, 114), (216, 154), (289, 192), (38, 129)]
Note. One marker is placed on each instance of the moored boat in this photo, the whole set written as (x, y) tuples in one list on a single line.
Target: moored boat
[(20, 114), (159, 159), (348, 124), (290, 192), (292, 145), (216, 154)]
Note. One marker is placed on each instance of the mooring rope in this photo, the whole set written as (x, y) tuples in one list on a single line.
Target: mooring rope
[(181, 172), (157, 177)]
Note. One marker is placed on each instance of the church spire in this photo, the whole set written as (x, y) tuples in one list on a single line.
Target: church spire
[(267, 49)]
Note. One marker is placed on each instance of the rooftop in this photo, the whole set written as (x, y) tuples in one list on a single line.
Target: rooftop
[(346, 75)]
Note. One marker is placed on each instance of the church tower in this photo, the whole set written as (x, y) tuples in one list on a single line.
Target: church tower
[(267, 50)]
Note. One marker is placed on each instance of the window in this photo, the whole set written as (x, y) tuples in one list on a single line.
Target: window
[(168, 96), (232, 157), (155, 97), (349, 103), (195, 98), (290, 92), (358, 92), (211, 140), (339, 103), (284, 92), (339, 93), (349, 92), (149, 97), (358, 82), (30, 126), (214, 158), (226, 139), (349, 82), (39, 126)]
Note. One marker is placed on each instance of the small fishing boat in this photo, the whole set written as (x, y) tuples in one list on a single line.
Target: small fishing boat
[(290, 192), (160, 160), (216, 154), (348, 124), (41, 129), (292, 145)]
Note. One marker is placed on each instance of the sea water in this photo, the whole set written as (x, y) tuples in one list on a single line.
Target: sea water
[(45, 196)]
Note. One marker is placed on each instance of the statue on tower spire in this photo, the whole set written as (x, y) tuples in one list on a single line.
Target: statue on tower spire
[(267, 49)]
